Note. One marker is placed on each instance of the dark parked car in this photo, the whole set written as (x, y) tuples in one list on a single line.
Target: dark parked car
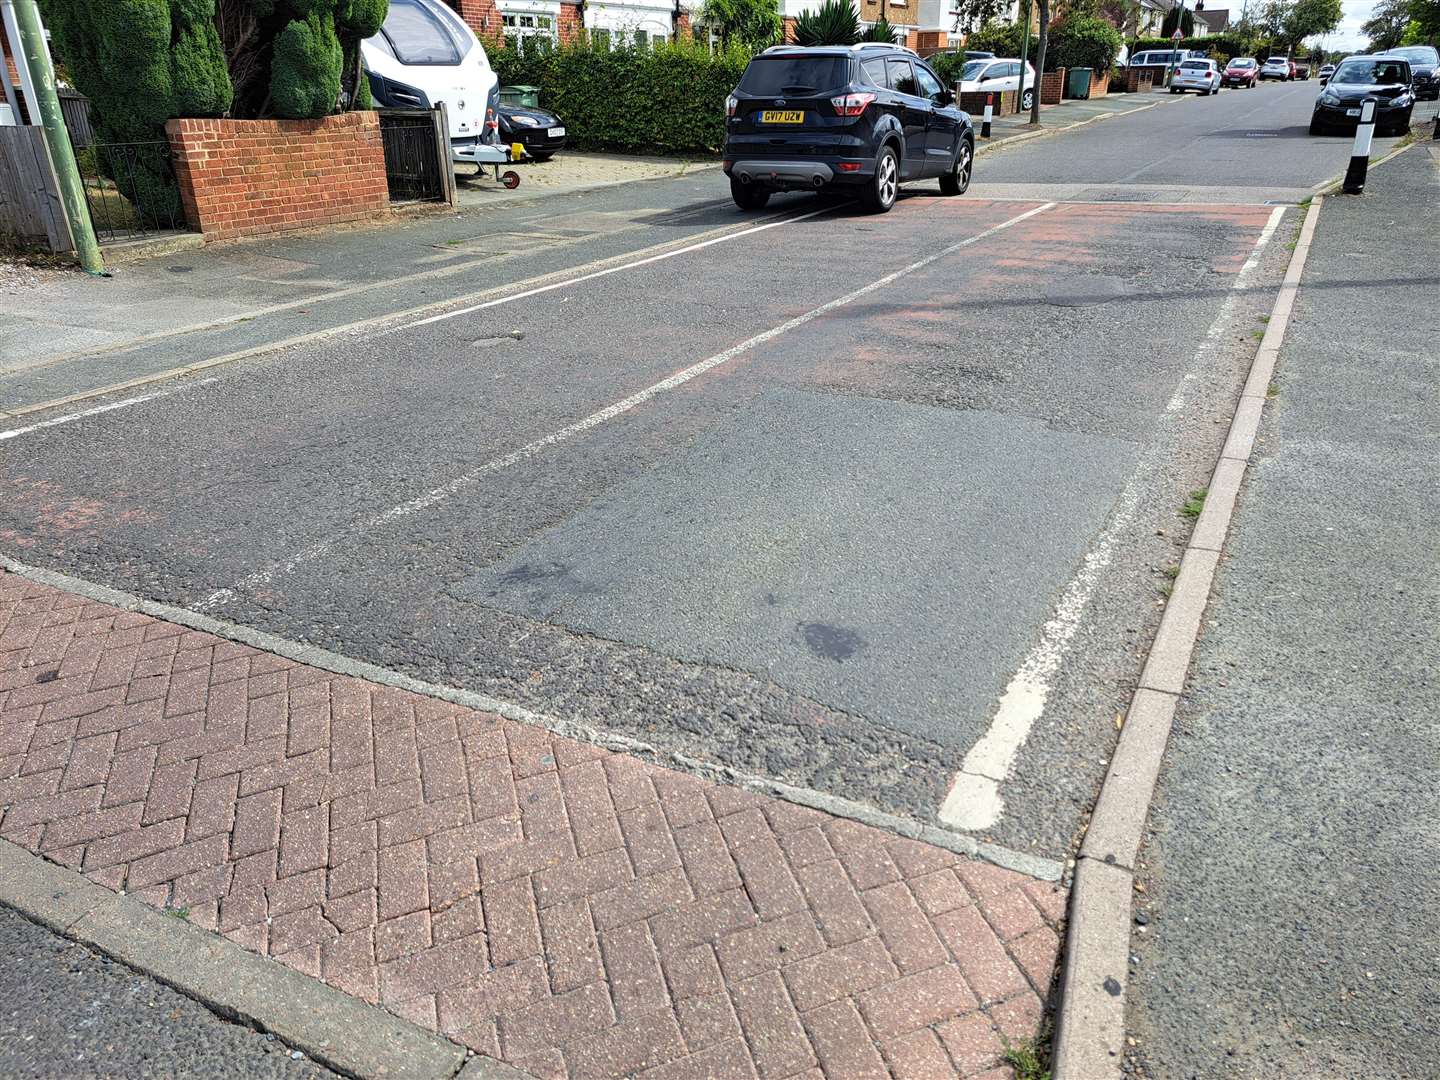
[(1384, 78), (540, 132), (1424, 68), (862, 118)]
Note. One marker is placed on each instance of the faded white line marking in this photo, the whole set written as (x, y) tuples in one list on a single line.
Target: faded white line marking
[(609, 270), (530, 449), (974, 802), (15, 433)]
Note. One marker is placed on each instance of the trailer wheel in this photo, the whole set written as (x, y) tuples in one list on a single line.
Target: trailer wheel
[(511, 179)]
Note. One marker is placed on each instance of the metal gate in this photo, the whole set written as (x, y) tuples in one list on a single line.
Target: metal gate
[(417, 155), (130, 189)]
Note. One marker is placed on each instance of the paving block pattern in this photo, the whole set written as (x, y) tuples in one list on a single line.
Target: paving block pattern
[(571, 911)]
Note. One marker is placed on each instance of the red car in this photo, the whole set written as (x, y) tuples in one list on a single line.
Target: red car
[(1241, 71)]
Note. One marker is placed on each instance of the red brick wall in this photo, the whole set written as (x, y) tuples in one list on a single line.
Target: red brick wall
[(787, 29), (1099, 83), (571, 23), (483, 17), (244, 177), (682, 26)]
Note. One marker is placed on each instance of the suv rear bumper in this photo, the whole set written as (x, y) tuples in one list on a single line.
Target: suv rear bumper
[(799, 174)]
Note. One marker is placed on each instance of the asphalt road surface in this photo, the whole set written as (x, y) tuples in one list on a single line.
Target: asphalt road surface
[(1293, 924), (807, 502), (66, 1012)]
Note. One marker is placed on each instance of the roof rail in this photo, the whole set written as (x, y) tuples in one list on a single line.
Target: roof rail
[(784, 48), (863, 45)]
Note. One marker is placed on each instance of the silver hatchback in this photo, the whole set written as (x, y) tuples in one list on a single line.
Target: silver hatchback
[(1199, 75)]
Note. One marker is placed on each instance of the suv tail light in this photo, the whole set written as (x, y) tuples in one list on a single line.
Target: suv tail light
[(731, 104), (851, 104)]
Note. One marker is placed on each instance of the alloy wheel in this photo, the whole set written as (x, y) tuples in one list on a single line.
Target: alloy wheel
[(886, 184)]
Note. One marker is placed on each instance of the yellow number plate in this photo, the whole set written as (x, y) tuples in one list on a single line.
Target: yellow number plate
[(770, 116)]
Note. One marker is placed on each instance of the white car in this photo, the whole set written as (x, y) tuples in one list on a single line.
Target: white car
[(998, 74), (1201, 75), (1277, 67)]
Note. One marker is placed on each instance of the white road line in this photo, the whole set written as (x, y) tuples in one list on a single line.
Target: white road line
[(530, 449), (609, 270), (15, 433), (974, 802)]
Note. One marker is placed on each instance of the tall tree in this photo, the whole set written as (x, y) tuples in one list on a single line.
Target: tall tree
[(1424, 26), (1306, 18), (970, 15), (753, 23), (1178, 16), (1040, 45), (1386, 25)]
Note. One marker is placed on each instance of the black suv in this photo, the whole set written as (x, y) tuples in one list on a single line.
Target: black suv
[(864, 117)]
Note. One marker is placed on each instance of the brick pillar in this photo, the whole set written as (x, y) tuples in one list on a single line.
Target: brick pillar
[(571, 24), (682, 26), (1052, 86), (483, 17), (787, 29)]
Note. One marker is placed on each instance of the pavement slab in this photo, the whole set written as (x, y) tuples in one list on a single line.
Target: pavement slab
[(547, 903), (1290, 913)]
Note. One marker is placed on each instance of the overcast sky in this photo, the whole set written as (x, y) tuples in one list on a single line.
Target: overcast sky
[(1349, 35)]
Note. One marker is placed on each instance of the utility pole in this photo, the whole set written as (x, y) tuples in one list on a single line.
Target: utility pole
[(1024, 58), (44, 105)]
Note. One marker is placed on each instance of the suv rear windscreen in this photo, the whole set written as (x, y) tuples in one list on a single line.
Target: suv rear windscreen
[(775, 76)]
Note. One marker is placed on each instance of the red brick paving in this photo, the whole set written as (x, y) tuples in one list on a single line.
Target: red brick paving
[(569, 910)]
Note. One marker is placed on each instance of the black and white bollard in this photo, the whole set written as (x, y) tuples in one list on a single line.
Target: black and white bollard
[(989, 115), (1360, 152)]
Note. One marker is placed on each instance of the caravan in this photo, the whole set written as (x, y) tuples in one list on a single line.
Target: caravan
[(425, 54)]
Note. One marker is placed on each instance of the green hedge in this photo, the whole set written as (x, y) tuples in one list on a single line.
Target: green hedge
[(669, 99), (1082, 41), (1219, 46)]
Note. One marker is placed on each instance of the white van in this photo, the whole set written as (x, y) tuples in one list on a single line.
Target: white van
[(425, 54)]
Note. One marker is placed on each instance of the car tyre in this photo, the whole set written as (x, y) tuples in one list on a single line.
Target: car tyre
[(748, 196), (539, 158), (1317, 128), (879, 195), (957, 180)]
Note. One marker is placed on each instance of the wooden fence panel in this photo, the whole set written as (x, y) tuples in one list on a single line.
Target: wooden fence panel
[(30, 206)]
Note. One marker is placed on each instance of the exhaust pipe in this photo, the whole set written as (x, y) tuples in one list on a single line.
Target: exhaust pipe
[(744, 178), (818, 181)]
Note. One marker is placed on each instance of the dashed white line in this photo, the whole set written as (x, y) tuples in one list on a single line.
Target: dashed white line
[(447, 490), (973, 802)]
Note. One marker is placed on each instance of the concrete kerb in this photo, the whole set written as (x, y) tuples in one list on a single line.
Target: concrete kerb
[(339, 1031), (1090, 1019), (910, 828)]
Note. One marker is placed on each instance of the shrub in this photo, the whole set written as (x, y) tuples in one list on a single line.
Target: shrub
[(1003, 39), (1082, 41), (667, 99), (833, 23), (142, 62), (880, 30)]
